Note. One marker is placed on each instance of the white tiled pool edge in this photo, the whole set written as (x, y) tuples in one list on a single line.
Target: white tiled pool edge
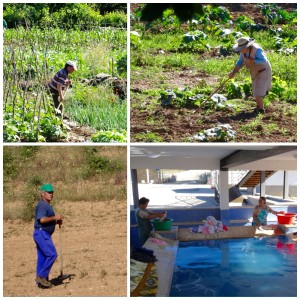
[(166, 256)]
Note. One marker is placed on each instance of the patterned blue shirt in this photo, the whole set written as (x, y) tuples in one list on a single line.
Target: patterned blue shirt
[(59, 78)]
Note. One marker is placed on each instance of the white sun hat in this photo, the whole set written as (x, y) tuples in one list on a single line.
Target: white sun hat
[(242, 44), (72, 63)]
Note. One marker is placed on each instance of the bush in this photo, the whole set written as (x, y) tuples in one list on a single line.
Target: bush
[(67, 15)]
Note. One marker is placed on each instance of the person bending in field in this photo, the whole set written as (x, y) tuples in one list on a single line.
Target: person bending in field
[(60, 82), (253, 56), (44, 225), (143, 217)]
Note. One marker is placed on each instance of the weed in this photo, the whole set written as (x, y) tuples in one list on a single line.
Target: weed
[(110, 137), (151, 137)]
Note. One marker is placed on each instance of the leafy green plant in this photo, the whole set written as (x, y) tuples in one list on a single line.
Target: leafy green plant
[(234, 90), (150, 137), (278, 86), (194, 41), (110, 137), (21, 124), (218, 13), (238, 90), (135, 39), (220, 133)]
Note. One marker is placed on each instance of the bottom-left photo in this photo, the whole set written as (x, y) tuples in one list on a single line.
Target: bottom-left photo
[(64, 221)]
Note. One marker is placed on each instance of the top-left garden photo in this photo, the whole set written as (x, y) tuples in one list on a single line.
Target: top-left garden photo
[(65, 72)]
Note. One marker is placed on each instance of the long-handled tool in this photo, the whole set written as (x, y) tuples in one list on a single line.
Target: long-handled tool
[(60, 253), (62, 276), (216, 90), (61, 105)]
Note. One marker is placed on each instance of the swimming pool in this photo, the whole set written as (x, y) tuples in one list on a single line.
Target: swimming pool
[(257, 267)]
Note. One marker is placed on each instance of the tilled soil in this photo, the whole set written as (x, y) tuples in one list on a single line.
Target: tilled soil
[(93, 251), (179, 125)]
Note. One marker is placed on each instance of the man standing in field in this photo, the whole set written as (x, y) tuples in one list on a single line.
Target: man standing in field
[(60, 82), (44, 226)]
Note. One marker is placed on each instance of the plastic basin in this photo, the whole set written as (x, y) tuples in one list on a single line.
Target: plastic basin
[(164, 225), (286, 218)]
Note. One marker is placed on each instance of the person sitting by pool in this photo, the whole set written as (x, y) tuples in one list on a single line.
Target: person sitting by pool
[(143, 218), (261, 211)]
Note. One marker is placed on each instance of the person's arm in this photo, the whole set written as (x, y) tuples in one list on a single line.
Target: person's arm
[(274, 212), (239, 64), (150, 215), (260, 57), (153, 215), (234, 71), (59, 89), (56, 218)]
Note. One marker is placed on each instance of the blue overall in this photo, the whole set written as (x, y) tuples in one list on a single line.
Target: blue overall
[(46, 252)]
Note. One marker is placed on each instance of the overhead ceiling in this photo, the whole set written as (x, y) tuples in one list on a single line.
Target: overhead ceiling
[(209, 157)]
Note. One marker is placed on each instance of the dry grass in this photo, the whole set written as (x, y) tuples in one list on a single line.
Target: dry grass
[(74, 176)]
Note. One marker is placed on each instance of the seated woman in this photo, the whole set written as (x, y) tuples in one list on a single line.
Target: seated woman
[(261, 212)]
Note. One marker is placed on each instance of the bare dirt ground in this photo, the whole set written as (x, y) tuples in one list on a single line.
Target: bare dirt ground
[(94, 250)]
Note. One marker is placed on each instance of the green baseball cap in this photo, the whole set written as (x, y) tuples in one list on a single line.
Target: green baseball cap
[(47, 187)]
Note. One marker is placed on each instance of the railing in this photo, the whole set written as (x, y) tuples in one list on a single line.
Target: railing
[(236, 176)]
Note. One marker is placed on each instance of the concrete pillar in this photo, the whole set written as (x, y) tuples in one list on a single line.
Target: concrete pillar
[(224, 197), (262, 183), (148, 176), (135, 189), (251, 190), (285, 184)]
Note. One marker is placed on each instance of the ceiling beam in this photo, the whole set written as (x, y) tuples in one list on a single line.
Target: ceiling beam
[(242, 157)]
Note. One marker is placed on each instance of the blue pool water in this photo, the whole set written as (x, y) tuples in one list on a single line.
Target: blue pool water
[(249, 267)]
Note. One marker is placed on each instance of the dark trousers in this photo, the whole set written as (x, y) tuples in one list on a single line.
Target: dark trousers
[(55, 96)]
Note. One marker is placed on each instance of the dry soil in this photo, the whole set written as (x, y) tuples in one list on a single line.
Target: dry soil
[(93, 250)]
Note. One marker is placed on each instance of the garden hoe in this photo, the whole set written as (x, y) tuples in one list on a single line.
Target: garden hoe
[(61, 276), (216, 90), (61, 105)]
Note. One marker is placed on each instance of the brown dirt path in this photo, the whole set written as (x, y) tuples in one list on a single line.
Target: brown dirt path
[(94, 250)]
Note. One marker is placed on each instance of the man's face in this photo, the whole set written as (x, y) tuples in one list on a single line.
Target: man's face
[(48, 196), (70, 69)]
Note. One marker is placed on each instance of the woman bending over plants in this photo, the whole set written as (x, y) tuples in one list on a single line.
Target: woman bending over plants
[(253, 56)]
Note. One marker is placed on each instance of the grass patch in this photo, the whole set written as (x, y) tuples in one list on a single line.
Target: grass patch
[(96, 107), (77, 174)]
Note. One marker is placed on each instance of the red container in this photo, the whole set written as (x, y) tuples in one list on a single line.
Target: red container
[(286, 218)]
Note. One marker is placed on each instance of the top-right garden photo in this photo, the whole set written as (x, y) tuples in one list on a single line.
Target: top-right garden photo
[(213, 73)]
